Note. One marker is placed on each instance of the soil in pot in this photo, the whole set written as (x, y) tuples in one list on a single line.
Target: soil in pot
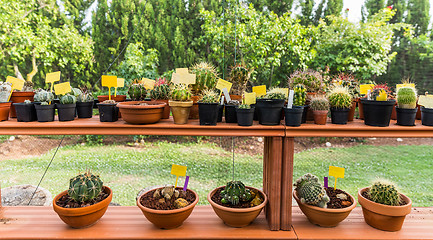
[(405, 116), (320, 117), (66, 112), (270, 111), (45, 113), (19, 97), (4, 110), (427, 116), (245, 117), (220, 113), (336, 199), (140, 112), (85, 109), (25, 112), (230, 114), (108, 112), (67, 202), (208, 113), (149, 201), (339, 115), (293, 116), (377, 113)]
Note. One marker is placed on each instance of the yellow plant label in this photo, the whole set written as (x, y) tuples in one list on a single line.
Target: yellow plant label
[(363, 89), (382, 96), (337, 172), (109, 81), (182, 71), (221, 84), (62, 88), (260, 90), (177, 78), (17, 84), (120, 82), (178, 170), (52, 77), (148, 83), (412, 85), (250, 98), (286, 91), (426, 101)]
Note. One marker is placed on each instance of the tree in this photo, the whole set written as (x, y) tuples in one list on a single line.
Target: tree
[(327, 8), (278, 7), (418, 14), (76, 11), (306, 17), (371, 7)]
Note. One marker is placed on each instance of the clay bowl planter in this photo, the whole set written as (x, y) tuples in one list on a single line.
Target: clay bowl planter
[(4, 110), (19, 97), (320, 116), (325, 217), (84, 216), (384, 217), (237, 217), (167, 219), (117, 98), (166, 111), (180, 111), (134, 113)]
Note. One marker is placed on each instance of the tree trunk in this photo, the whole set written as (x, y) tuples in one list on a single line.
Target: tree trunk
[(17, 71), (34, 71)]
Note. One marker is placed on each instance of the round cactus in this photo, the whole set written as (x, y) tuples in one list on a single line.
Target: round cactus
[(310, 191), (68, 99), (84, 187), (300, 95), (384, 193), (339, 97), (239, 76), (161, 91), (43, 96), (206, 77), (137, 92), (85, 96), (180, 93), (319, 103), (234, 193), (210, 96), (406, 97)]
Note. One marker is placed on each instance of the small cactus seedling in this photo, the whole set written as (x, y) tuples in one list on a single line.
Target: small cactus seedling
[(319, 104), (310, 191), (384, 192), (210, 96), (180, 93), (300, 95), (339, 97), (406, 97), (234, 193), (68, 99), (244, 106), (43, 97), (85, 96), (85, 187)]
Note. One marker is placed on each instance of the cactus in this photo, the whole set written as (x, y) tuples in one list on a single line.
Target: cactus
[(310, 191), (206, 77), (109, 102), (349, 81), (180, 93), (239, 77), (406, 97), (275, 93), (28, 86), (85, 96), (27, 101), (377, 89), (68, 99), (319, 103), (233, 103), (5, 91), (210, 96), (234, 193), (76, 92), (84, 187), (300, 95), (137, 92), (244, 106), (161, 91), (43, 96), (339, 97), (384, 192), (311, 79)]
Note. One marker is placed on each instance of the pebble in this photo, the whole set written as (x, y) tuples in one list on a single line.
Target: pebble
[(399, 140), (11, 138), (260, 139), (328, 144)]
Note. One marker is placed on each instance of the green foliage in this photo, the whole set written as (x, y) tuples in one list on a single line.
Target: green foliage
[(68, 99), (319, 103), (300, 95), (311, 79), (339, 97), (310, 191), (384, 192), (206, 77), (210, 96), (161, 91), (43, 96), (306, 16), (406, 97), (278, 7), (85, 187), (138, 92), (180, 92), (371, 7), (234, 193), (418, 15)]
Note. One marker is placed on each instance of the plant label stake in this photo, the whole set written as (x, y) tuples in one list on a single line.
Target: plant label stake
[(183, 76), (120, 83), (62, 88), (336, 172), (51, 78), (109, 81), (185, 186), (178, 171), (17, 84), (382, 96), (250, 98), (363, 89), (182, 71), (290, 99), (260, 90), (221, 84), (426, 101), (226, 95), (148, 83), (325, 182), (222, 100)]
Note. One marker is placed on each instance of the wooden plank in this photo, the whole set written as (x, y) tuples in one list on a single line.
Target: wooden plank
[(418, 225), (287, 183), (274, 161), (129, 223)]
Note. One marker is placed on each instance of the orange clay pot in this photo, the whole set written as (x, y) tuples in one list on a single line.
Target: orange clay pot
[(166, 111), (85, 216), (193, 112), (237, 217), (320, 117), (117, 98), (141, 114), (4, 110), (352, 111), (19, 97)]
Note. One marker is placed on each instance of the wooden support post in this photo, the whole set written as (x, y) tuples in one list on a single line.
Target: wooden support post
[(287, 183), (272, 179)]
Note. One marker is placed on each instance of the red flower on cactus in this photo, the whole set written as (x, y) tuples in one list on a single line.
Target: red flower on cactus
[(161, 81)]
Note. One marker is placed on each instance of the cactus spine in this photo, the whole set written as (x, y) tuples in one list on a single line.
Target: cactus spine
[(300, 95), (234, 193), (180, 93), (137, 92), (161, 91), (310, 191), (339, 97), (206, 77), (85, 187), (384, 193), (210, 96), (319, 104), (406, 97)]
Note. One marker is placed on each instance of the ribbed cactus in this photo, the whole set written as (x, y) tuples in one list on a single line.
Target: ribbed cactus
[(68, 99), (339, 97), (234, 193), (300, 95), (5, 91), (406, 97), (180, 93), (161, 91), (384, 193), (206, 77), (310, 191), (85, 96), (210, 96), (319, 103), (311, 79), (137, 92), (43, 96), (275, 93), (239, 77), (84, 187)]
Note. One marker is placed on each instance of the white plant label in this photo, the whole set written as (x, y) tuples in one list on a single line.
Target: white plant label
[(226, 94), (290, 99), (222, 100)]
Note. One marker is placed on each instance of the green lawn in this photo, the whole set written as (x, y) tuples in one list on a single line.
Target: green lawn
[(127, 170)]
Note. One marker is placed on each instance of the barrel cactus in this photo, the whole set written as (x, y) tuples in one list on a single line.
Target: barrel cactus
[(406, 97), (319, 103), (43, 96), (384, 192), (275, 93), (300, 95), (161, 91), (206, 77), (310, 191), (180, 93), (137, 92), (339, 97), (234, 193), (210, 96), (85, 187), (68, 99)]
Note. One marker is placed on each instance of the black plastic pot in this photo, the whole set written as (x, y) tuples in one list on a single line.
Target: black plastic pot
[(270, 111), (245, 116), (66, 112), (25, 112), (85, 109), (44, 113), (108, 112), (377, 113), (339, 115), (427, 116), (304, 113), (405, 116), (220, 113), (293, 116), (208, 113), (230, 114), (256, 112)]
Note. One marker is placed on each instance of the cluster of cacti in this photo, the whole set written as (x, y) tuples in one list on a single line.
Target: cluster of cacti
[(275, 93), (28, 86), (76, 92), (210, 96), (44, 97), (84, 187), (310, 191), (279, 91), (239, 77), (406, 97), (311, 79), (349, 81), (180, 92), (168, 192), (378, 89), (68, 99), (244, 106), (161, 91), (340, 97), (235, 192), (319, 103), (300, 95), (5, 91), (384, 193), (85, 96), (206, 77), (138, 92)]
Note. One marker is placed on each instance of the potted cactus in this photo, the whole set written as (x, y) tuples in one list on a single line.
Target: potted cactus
[(167, 207), (239, 77), (66, 108), (5, 104), (270, 107), (138, 92), (84, 103), (26, 93), (160, 94), (44, 105), (245, 115), (340, 101), (230, 114), (352, 84), (383, 206), (25, 111), (85, 202), (320, 107), (295, 115), (108, 111), (208, 108), (206, 79), (325, 207), (406, 106), (236, 204), (377, 106), (180, 103)]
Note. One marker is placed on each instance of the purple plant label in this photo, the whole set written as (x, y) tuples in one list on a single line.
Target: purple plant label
[(186, 183), (325, 180)]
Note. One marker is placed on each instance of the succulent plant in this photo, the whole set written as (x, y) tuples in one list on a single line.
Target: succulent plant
[(180, 92), (5, 91), (300, 95), (234, 193), (275, 93), (239, 77), (206, 77), (68, 99), (377, 89), (76, 92), (406, 97), (310, 191), (84, 187), (137, 92), (210, 96), (28, 86), (43, 97), (27, 101), (319, 103), (161, 91), (349, 81), (384, 192), (109, 102), (339, 97), (244, 106), (85, 96), (311, 79)]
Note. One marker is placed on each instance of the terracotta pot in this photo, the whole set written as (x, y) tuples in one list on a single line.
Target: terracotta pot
[(352, 111), (167, 219), (85, 216), (394, 112), (141, 114), (166, 110), (193, 113), (320, 117), (180, 111), (384, 217), (4, 110), (236, 97), (324, 217), (418, 112), (310, 115), (237, 217), (360, 109), (19, 97), (117, 98)]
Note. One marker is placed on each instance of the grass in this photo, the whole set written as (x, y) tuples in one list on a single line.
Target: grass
[(127, 170)]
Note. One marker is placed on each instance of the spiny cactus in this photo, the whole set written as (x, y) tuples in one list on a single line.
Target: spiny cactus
[(210, 96), (348, 80), (319, 103), (76, 92), (161, 91), (206, 77), (244, 106), (137, 92), (84, 187), (275, 93), (377, 89), (109, 102), (234, 193), (311, 79), (384, 192), (339, 97), (27, 101), (28, 86), (5, 91), (310, 191), (406, 97), (180, 93), (239, 77), (85, 96), (300, 95), (68, 99), (43, 96)]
